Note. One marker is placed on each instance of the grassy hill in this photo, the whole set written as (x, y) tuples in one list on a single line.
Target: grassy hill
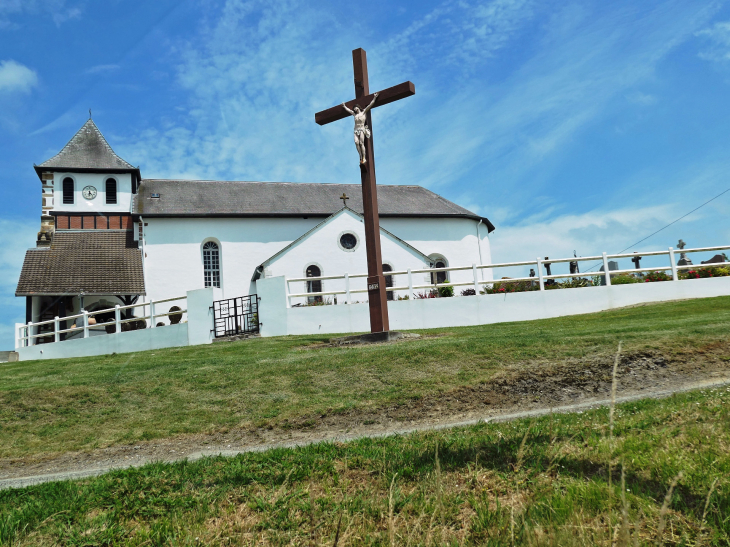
[(86, 403), (542, 482)]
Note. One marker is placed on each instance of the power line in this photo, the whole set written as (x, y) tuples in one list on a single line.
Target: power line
[(667, 226)]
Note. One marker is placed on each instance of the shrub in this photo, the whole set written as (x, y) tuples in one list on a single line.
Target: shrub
[(433, 293), (110, 328), (701, 273), (575, 282), (501, 287), (468, 292), (446, 291), (624, 279), (160, 324), (323, 302), (657, 276), (176, 318)]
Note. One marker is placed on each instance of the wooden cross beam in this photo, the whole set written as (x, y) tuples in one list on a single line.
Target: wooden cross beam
[(377, 295)]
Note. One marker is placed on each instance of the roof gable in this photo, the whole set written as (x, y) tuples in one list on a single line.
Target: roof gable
[(331, 219), (87, 149)]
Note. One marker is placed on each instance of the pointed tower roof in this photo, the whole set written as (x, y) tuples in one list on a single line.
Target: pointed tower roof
[(87, 150)]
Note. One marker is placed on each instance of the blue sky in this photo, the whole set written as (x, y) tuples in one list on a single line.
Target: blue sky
[(571, 125)]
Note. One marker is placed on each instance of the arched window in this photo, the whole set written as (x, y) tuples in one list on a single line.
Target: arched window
[(111, 191), (388, 280), (439, 277), (314, 286), (211, 264), (68, 191)]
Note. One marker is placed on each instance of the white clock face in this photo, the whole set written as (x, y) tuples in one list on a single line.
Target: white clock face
[(89, 192)]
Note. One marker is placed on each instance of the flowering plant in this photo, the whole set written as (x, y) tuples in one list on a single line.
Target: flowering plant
[(656, 276)]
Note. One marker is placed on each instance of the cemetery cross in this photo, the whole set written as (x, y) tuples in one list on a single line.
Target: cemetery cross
[(364, 101)]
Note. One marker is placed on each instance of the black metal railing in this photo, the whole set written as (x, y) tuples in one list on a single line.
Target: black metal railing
[(236, 316)]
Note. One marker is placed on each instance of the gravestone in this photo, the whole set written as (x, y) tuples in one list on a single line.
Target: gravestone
[(683, 260), (574, 265), (637, 261), (612, 265), (717, 259)]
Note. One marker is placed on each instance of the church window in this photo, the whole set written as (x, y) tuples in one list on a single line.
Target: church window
[(388, 280), (68, 191), (211, 264), (439, 277), (316, 285), (111, 191), (348, 241)]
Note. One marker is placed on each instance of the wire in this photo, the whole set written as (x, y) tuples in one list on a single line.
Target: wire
[(665, 227)]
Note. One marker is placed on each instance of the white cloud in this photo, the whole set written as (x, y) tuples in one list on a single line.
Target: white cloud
[(642, 99), (718, 37), (102, 69), (61, 16), (16, 77), (258, 73), (59, 10)]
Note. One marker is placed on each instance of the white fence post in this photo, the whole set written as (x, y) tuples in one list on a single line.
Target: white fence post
[(410, 284), (117, 318), (152, 314), (673, 264), (56, 336), (607, 274), (348, 296), (286, 292), (29, 341), (476, 278), (539, 274), (86, 324)]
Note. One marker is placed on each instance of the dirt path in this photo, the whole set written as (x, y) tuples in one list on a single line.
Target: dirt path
[(530, 389)]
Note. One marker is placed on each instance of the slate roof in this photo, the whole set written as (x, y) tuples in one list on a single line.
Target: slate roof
[(93, 261), (87, 149), (223, 198)]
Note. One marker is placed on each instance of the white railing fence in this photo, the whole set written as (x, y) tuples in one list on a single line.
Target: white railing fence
[(476, 283), (28, 334)]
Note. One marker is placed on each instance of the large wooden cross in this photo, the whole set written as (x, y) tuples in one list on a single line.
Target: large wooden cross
[(377, 295)]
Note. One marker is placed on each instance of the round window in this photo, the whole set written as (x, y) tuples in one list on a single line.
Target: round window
[(348, 241)]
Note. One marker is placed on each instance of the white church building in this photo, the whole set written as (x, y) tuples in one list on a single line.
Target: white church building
[(109, 236)]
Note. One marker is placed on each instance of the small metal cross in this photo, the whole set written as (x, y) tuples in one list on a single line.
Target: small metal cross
[(344, 199)]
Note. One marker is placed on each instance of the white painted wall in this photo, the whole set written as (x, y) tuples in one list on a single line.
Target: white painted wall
[(322, 247), (455, 239), (98, 204), (474, 310), (174, 264), (174, 247), (197, 330)]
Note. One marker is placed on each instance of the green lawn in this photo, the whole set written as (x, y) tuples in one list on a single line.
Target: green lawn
[(541, 482), (86, 403)]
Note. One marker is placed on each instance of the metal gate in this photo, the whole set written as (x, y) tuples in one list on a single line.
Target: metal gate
[(236, 316)]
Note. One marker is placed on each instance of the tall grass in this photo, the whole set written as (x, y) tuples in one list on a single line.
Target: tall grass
[(537, 482)]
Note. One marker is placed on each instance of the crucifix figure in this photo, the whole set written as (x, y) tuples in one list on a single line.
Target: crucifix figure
[(360, 109), (344, 199), (362, 131)]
